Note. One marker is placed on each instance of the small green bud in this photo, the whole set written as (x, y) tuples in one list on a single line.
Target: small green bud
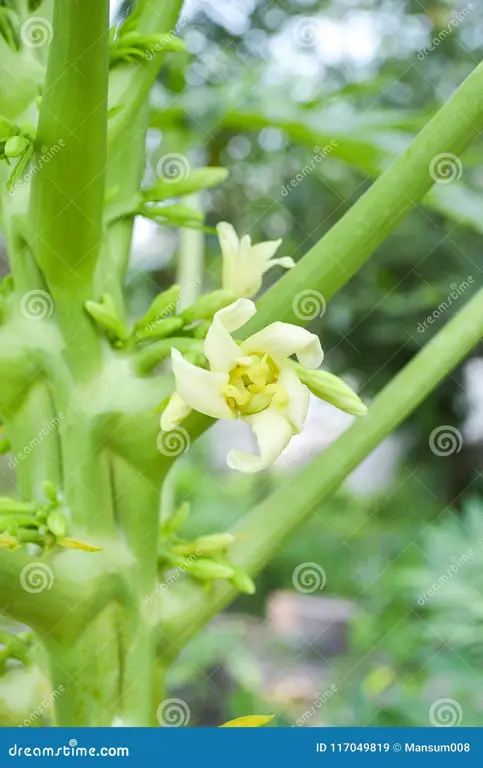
[(209, 569), (159, 329), (242, 581), (16, 146), (163, 305), (205, 307), (177, 519), (202, 329), (57, 523), (12, 506), (198, 179), (4, 444), (50, 491), (332, 389), (206, 545), (105, 315)]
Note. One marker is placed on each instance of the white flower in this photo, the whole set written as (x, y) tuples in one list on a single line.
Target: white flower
[(253, 380), (245, 264)]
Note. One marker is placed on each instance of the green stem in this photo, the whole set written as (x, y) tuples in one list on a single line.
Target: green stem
[(67, 196), (270, 523)]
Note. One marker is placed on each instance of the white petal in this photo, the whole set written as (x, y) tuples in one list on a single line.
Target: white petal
[(263, 252), (174, 413), (201, 389), (273, 433), (299, 398), (285, 261), (281, 340), (228, 238), (220, 349)]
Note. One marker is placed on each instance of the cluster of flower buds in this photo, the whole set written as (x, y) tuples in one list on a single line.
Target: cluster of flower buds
[(44, 525), (204, 558)]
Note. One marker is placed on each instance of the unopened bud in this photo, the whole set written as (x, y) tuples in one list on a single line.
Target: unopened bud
[(333, 390), (177, 519), (57, 523), (243, 582), (50, 491), (209, 569), (16, 146), (207, 305), (206, 544)]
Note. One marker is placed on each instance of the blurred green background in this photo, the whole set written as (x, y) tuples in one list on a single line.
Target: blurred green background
[(398, 624)]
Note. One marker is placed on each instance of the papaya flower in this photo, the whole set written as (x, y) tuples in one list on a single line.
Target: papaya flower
[(245, 264), (253, 380)]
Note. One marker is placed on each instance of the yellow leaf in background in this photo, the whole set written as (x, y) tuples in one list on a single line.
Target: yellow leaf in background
[(67, 543), (250, 721)]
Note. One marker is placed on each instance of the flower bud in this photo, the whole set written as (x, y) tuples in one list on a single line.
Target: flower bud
[(163, 305), (206, 544), (57, 523), (333, 390), (159, 329), (50, 491), (207, 305), (209, 569), (105, 315), (243, 582), (16, 146)]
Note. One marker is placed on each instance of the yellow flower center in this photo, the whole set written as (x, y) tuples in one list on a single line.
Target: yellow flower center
[(254, 387)]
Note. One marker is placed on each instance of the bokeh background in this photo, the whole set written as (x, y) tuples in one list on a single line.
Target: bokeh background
[(305, 103)]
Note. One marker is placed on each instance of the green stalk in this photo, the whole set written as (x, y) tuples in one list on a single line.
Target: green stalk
[(68, 193), (269, 524), (333, 261)]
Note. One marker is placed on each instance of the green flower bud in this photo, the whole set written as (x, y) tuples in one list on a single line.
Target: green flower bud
[(242, 581), (163, 305), (105, 315), (206, 544), (209, 569), (198, 179), (12, 506), (50, 491), (205, 307), (332, 389), (177, 519), (16, 146), (57, 523), (159, 329)]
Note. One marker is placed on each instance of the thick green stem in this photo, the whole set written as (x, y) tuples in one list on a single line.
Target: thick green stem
[(67, 196), (264, 529)]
